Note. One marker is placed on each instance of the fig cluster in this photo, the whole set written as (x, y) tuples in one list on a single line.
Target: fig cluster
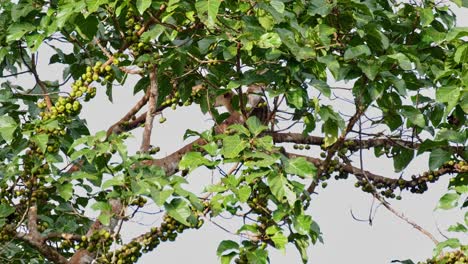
[(100, 240), (454, 257), (7, 233), (130, 252)]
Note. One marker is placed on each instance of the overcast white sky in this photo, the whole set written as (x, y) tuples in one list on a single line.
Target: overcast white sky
[(346, 240)]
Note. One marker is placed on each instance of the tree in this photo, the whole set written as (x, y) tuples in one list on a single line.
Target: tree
[(260, 70)]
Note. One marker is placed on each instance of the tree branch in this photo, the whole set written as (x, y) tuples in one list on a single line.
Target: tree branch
[(151, 110)]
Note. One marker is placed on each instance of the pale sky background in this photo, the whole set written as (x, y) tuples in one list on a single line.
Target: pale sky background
[(345, 239)]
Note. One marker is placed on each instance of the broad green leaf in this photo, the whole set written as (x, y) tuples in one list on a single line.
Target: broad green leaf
[(402, 158), (65, 190), (41, 141), (461, 55), (403, 61), (448, 201), (193, 160), (226, 247), (6, 210), (280, 188), (17, 30), (161, 196), (179, 210), (427, 16), (7, 127), (320, 7), (259, 256), (153, 33), (142, 5), (213, 7), (437, 158), (269, 40), (302, 224), (449, 95), (302, 244), (294, 97), (233, 146), (244, 193), (278, 6), (300, 167), (87, 27), (114, 181), (413, 115), (458, 228), (280, 240), (370, 68), (255, 126), (358, 51)]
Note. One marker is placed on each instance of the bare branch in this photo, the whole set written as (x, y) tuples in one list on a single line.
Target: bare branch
[(151, 110)]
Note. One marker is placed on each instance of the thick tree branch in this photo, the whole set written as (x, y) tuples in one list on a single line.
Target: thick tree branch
[(299, 138), (117, 127), (151, 110), (47, 251)]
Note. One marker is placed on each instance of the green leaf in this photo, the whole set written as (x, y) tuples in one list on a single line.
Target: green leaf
[(255, 126), (320, 7), (302, 224), (213, 7), (300, 167), (244, 193), (369, 68), (153, 33), (233, 146), (269, 40), (207, 11), (193, 160), (451, 243), (280, 188), (413, 115), (302, 244), (226, 247), (7, 128), (449, 95), (280, 240), (6, 210), (41, 141), (93, 5), (106, 212), (278, 6), (179, 210), (407, 261), (65, 190), (458, 228), (461, 55), (160, 197), (87, 27), (437, 158), (403, 61), (142, 5), (402, 158), (17, 30), (448, 201), (322, 86), (294, 97), (118, 180), (211, 148), (426, 16), (354, 52), (259, 256)]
